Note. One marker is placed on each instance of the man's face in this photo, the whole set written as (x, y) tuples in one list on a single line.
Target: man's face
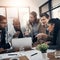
[(44, 20), (3, 23), (31, 18), (16, 25)]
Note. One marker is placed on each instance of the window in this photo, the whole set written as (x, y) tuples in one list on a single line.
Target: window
[(55, 3), (45, 8), (2, 11), (22, 13), (56, 13)]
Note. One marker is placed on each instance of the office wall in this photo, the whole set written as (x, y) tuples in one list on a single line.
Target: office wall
[(33, 4)]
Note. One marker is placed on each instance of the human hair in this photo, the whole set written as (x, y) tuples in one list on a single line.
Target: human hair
[(55, 21), (56, 30), (35, 16), (2, 18), (44, 14)]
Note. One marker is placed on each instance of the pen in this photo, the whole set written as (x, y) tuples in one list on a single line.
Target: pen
[(34, 54), (11, 54)]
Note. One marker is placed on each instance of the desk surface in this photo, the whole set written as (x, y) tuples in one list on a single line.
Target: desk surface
[(38, 56)]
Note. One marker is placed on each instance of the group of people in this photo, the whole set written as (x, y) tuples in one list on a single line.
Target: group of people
[(43, 30)]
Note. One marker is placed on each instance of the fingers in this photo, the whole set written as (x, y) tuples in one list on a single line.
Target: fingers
[(40, 35), (26, 33)]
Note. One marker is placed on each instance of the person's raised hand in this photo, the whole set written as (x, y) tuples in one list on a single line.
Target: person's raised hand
[(40, 35)]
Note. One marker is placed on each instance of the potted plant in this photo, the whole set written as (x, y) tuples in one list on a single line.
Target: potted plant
[(43, 48)]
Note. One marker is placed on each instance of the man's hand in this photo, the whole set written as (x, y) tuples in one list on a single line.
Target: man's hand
[(40, 35), (16, 34), (48, 42), (26, 33)]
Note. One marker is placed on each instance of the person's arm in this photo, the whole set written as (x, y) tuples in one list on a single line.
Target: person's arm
[(57, 45), (44, 37), (49, 38), (16, 34), (58, 40), (27, 30)]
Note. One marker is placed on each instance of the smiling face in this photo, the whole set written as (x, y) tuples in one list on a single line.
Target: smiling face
[(44, 20)]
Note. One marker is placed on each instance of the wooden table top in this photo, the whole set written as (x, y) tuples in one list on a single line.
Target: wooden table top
[(52, 57)]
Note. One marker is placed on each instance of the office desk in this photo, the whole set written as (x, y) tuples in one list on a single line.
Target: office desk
[(38, 56)]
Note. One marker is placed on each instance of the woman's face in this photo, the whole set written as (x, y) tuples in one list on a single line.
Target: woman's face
[(50, 27), (31, 18)]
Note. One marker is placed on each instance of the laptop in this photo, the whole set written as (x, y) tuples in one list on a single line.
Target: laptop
[(22, 42)]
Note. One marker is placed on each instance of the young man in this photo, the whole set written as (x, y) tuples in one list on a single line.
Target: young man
[(44, 20), (3, 34), (43, 27)]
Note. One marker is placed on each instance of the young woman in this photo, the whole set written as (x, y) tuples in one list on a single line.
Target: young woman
[(54, 26)]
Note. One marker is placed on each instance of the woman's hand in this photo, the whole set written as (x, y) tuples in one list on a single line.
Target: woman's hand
[(1, 50)]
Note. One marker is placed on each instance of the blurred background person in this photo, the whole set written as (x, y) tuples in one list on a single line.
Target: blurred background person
[(17, 28), (4, 44), (32, 28)]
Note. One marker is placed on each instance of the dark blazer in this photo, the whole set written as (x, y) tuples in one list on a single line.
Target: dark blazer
[(20, 34), (3, 43), (57, 45), (58, 40)]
